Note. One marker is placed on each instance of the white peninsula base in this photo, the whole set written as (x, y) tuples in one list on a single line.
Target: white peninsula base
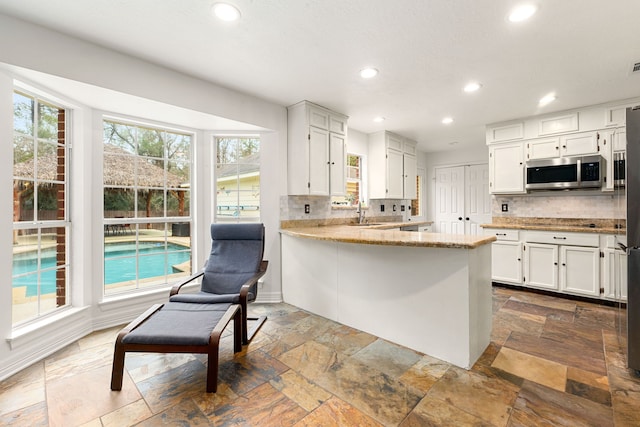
[(431, 299)]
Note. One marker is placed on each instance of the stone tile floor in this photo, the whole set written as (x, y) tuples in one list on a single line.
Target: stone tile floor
[(551, 362)]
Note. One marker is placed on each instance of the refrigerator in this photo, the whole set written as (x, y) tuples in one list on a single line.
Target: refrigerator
[(633, 237)]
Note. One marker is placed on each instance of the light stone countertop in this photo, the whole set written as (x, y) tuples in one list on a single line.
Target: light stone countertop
[(599, 226), (381, 235)]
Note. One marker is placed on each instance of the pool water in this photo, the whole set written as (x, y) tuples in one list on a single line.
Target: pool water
[(119, 264)]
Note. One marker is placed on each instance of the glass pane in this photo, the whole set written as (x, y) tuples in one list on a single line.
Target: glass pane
[(178, 203), (226, 150), (23, 112), (150, 203), (178, 147), (23, 199), (249, 150), (51, 204), (25, 296), (178, 172), (47, 161), (119, 138), (118, 170), (150, 172), (23, 156), (48, 126), (119, 202), (150, 142)]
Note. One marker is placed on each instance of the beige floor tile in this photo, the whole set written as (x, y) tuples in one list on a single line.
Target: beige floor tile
[(536, 369)]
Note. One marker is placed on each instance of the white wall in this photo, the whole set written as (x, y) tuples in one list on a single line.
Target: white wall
[(59, 55)]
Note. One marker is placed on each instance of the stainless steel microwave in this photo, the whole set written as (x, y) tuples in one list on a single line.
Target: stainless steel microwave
[(565, 173)]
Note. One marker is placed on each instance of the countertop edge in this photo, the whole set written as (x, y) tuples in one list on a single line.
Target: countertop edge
[(382, 237)]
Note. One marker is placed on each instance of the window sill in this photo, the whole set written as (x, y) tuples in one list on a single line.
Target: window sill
[(36, 330)]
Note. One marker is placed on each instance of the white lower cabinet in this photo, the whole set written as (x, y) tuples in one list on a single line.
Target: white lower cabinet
[(506, 262), (614, 278), (580, 270), (541, 266), (566, 262)]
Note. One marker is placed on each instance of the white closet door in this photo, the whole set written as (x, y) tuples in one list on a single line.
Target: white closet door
[(477, 200), (450, 200)]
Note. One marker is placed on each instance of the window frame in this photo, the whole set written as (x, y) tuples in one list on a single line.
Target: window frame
[(169, 228), (37, 224)]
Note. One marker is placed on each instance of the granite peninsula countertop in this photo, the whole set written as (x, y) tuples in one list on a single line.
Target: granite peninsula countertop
[(577, 225), (382, 234)]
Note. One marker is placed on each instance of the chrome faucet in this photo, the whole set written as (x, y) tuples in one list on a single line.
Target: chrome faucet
[(360, 213)]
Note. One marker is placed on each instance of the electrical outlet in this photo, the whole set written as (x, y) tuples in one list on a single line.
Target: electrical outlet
[(381, 208), (394, 208), (401, 208), (307, 209), (505, 207)]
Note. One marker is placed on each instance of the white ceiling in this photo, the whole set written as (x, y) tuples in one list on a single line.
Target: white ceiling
[(426, 50)]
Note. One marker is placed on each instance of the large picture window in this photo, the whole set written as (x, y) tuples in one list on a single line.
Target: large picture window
[(147, 215), (237, 179), (40, 268)]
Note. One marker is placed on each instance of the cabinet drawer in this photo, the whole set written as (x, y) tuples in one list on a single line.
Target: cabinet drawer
[(562, 238), (510, 235)]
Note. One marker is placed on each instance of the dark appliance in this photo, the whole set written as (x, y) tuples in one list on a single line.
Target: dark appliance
[(565, 173), (633, 238)]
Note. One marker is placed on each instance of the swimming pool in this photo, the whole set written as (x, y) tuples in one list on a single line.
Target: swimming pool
[(119, 264)]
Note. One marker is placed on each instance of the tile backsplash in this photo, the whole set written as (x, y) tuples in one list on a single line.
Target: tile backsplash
[(569, 204), (292, 209)]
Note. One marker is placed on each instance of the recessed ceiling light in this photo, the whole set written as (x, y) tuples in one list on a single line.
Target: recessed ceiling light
[(472, 87), (367, 73), (447, 120), (379, 119), (547, 99), (225, 11), (522, 12)]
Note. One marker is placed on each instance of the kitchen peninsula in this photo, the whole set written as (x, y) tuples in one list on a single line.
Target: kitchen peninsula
[(430, 292)]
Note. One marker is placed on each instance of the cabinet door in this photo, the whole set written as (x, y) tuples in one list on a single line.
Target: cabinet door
[(580, 270), (337, 153), (579, 144), (546, 148), (614, 278), (506, 262), (318, 162), (338, 124), (318, 118), (620, 140), (395, 174), (506, 168), (541, 265), (410, 168)]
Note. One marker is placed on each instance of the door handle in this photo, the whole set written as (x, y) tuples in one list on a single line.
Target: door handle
[(467, 218), (459, 218)]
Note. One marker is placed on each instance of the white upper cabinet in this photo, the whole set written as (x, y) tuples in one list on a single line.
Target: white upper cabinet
[(392, 166), (543, 148), (316, 150), (578, 144), (506, 168)]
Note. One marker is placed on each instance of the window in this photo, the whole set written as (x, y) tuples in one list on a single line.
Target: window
[(353, 183), (147, 218), (237, 179), (40, 268)]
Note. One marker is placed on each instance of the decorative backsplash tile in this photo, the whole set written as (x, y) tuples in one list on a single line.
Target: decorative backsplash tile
[(321, 212), (566, 205)]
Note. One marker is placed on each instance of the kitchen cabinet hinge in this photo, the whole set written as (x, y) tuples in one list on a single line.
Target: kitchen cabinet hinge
[(308, 185), (309, 136), (601, 254), (524, 279)]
